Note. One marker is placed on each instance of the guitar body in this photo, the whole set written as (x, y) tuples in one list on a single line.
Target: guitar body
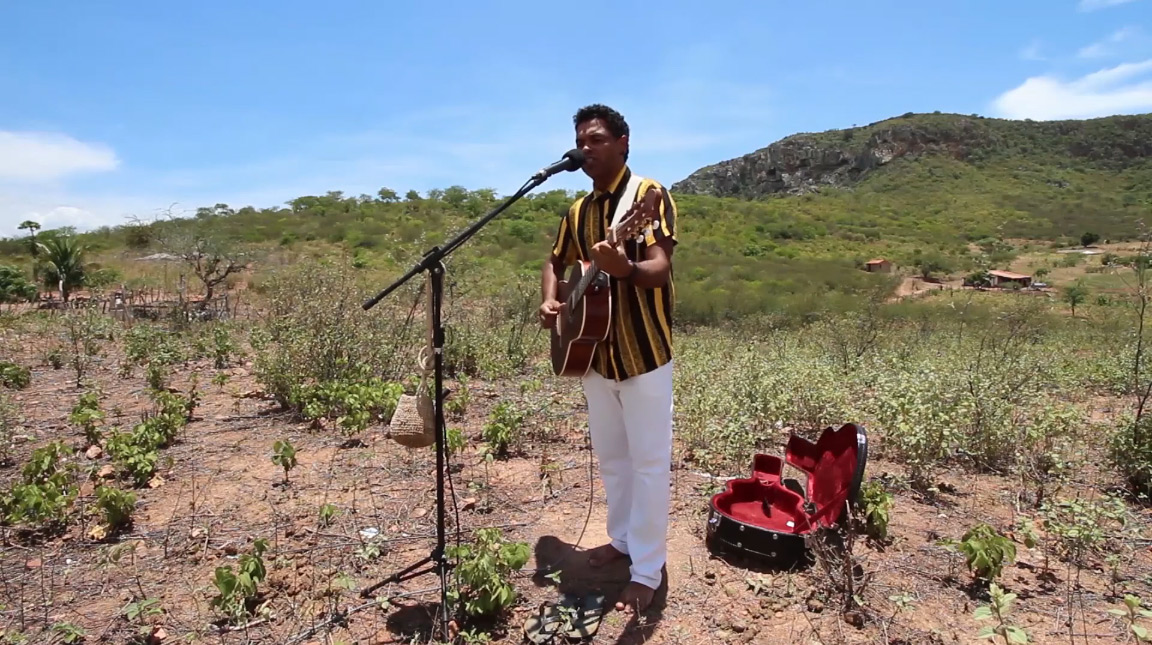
[(584, 325)]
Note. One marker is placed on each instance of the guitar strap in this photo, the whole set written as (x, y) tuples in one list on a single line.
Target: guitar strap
[(627, 199)]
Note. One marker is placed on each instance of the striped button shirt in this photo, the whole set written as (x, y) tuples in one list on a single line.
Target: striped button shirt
[(640, 337)]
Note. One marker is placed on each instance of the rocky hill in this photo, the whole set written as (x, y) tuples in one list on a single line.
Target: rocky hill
[(805, 163)]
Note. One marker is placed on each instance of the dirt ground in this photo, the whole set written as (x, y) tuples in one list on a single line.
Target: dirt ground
[(219, 490)]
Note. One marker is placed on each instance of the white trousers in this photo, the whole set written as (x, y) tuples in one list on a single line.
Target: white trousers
[(630, 423)]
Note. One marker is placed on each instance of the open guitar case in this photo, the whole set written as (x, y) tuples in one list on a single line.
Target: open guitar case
[(766, 517)]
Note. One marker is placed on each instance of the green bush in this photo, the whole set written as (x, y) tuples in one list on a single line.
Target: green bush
[(43, 496), (13, 376), (14, 286)]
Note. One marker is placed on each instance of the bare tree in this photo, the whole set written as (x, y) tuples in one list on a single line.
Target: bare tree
[(205, 250)]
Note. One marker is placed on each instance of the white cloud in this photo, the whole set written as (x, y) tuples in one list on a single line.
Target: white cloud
[(1123, 89), (1108, 46), (40, 156), (1095, 5)]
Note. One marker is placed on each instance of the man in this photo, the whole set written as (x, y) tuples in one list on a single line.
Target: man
[(629, 387)]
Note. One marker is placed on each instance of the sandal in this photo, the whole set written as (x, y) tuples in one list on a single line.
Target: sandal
[(541, 627), (586, 619)]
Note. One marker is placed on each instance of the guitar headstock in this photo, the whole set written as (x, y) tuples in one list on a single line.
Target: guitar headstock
[(639, 217)]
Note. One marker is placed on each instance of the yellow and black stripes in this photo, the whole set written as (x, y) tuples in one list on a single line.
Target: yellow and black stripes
[(640, 339)]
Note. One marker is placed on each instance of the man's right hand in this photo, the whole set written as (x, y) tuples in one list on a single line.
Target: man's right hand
[(548, 312)]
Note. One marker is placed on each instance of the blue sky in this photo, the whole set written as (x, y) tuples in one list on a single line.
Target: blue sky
[(109, 110)]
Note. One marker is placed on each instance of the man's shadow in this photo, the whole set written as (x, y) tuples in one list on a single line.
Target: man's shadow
[(571, 573)]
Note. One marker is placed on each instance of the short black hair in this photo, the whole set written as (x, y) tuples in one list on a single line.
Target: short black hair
[(612, 119)]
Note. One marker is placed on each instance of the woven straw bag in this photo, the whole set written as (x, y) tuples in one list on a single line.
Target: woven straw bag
[(414, 422)]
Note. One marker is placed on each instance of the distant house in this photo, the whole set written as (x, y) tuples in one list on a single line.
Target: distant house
[(1007, 278), (878, 265)]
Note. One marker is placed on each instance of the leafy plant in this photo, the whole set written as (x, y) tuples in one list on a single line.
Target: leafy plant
[(503, 427), (117, 506), (1078, 525), (483, 571), (457, 403), (8, 420), (1131, 611), (87, 414), (457, 442), (136, 452), (140, 611), (46, 491), (13, 376), (68, 632), (986, 551), (284, 455), (14, 286), (238, 589), (328, 512), (876, 502), (998, 611)]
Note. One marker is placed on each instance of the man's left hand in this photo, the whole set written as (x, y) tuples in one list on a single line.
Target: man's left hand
[(611, 259)]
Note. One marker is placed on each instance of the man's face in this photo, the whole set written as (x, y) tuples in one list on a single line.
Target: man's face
[(602, 152)]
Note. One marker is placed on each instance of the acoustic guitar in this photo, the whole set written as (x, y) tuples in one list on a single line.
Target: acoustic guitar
[(586, 317)]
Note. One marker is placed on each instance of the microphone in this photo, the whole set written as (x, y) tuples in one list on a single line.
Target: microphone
[(572, 160)]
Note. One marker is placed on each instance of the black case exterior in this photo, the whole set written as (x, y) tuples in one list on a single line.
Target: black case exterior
[(729, 536), (726, 535)]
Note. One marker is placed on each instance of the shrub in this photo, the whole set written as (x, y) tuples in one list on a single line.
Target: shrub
[(13, 376), (14, 286), (315, 341), (44, 495)]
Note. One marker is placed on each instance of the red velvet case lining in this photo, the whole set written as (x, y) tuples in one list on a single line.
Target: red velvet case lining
[(763, 501)]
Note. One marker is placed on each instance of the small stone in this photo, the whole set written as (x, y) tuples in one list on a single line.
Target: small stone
[(93, 452), (739, 626), (815, 606)]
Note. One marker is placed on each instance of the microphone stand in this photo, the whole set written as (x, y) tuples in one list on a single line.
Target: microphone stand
[(433, 261)]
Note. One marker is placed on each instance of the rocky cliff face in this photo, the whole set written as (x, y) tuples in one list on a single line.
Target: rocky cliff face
[(840, 158), (805, 163)]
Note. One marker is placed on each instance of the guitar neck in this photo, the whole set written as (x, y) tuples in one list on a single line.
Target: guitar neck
[(582, 286)]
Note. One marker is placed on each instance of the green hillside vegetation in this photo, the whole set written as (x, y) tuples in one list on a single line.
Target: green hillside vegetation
[(954, 211)]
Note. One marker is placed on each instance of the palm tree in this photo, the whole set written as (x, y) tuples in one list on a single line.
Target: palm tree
[(63, 259)]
